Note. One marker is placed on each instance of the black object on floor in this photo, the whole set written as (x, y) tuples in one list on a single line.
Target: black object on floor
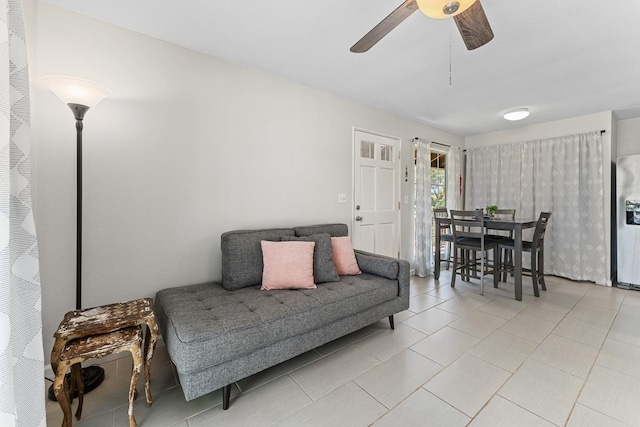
[(92, 377)]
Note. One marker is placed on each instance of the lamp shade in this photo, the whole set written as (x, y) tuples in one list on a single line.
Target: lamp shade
[(436, 8), (72, 90)]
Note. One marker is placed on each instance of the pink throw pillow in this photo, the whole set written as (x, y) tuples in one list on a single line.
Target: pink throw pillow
[(343, 256), (287, 265)]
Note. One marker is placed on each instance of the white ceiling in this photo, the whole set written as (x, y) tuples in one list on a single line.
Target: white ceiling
[(559, 58)]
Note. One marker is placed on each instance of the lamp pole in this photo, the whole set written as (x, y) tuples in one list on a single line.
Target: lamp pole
[(79, 111), (79, 95)]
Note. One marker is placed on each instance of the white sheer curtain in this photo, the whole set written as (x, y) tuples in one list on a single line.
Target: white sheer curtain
[(561, 175), (22, 400), (454, 179), (492, 177), (422, 250)]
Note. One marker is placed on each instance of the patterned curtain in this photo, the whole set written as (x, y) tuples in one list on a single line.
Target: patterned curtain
[(22, 400), (422, 250), (454, 179), (490, 177), (561, 175)]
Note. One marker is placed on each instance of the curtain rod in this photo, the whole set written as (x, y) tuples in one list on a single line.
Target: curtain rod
[(434, 142), (447, 145), (601, 132)]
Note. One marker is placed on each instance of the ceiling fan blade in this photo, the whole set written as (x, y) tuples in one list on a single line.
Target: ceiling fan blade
[(474, 26), (385, 26)]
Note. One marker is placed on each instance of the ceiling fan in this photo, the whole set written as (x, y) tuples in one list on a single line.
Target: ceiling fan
[(468, 15)]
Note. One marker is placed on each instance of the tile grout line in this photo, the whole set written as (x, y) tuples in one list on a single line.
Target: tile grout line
[(584, 383)]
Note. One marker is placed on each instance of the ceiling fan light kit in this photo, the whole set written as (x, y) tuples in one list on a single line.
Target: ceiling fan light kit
[(468, 15), (441, 9), (516, 114)]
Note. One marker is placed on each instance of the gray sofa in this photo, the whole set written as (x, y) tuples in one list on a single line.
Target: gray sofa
[(219, 333)]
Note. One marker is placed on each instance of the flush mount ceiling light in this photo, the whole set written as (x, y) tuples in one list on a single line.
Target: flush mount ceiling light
[(516, 114)]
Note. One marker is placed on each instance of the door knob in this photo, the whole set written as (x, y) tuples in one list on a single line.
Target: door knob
[(358, 218)]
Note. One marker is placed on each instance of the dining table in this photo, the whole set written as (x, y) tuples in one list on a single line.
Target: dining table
[(516, 225)]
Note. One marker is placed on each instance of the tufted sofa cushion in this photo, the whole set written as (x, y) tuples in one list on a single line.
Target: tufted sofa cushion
[(212, 325)]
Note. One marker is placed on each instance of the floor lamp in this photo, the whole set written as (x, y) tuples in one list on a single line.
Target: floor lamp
[(79, 95)]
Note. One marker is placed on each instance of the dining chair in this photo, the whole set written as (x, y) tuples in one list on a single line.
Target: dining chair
[(536, 248), (469, 236), (505, 213), (445, 234), (504, 255)]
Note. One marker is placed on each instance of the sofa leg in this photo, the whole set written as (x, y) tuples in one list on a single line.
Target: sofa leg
[(226, 394), (391, 322)]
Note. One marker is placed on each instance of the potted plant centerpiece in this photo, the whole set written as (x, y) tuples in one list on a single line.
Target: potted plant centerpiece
[(491, 210)]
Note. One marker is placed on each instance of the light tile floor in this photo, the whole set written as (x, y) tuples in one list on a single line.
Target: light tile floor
[(456, 358)]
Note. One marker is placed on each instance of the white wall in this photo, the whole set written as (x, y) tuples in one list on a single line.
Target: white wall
[(588, 123), (628, 137), (186, 148)]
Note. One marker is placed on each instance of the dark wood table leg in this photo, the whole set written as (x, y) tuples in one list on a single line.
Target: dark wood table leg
[(436, 267), (496, 266), (517, 262)]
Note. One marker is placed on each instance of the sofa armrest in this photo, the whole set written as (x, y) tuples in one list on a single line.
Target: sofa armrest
[(391, 268)]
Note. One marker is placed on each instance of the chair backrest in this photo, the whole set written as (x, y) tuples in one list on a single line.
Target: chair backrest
[(440, 212), (506, 213), (467, 224), (541, 228)]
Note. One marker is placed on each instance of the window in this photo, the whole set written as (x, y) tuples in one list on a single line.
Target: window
[(438, 185), (438, 190), (438, 180)]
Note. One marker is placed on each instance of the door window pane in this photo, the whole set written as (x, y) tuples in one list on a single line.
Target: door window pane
[(367, 150), (386, 153)]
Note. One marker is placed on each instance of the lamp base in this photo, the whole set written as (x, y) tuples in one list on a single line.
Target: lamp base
[(92, 377)]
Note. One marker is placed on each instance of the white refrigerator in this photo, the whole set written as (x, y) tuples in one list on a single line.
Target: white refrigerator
[(628, 218)]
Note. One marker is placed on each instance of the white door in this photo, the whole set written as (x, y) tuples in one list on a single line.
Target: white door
[(376, 194)]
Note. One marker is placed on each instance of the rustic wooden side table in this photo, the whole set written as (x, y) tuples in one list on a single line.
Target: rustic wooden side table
[(92, 347), (90, 327)]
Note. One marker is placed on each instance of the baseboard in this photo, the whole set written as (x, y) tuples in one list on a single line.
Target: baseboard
[(628, 286)]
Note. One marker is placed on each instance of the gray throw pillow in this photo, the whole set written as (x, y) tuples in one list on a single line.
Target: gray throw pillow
[(323, 268), (242, 255)]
